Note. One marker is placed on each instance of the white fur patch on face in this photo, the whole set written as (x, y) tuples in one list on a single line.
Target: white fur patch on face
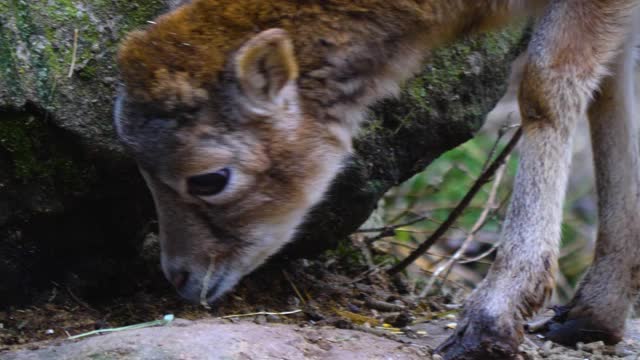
[(269, 237)]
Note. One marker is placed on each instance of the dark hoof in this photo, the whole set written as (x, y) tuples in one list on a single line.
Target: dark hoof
[(481, 339), (568, 328)]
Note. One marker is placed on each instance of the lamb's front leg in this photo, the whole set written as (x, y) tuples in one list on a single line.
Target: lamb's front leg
[(566, 60), (521, 278)]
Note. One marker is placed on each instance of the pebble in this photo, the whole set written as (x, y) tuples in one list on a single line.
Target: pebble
[(591, 347), (273, 318), (546, 348), (260, 320)]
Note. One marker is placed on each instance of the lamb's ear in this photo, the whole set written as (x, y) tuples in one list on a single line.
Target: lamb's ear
[(265, 65)]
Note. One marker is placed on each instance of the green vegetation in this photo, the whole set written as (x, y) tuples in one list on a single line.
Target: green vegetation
[(437, 190), (36, 45)]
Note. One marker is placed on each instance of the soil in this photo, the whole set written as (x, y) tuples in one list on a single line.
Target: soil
[(341, 310)]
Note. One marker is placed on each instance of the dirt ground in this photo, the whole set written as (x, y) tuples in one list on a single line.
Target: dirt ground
[(340, 310)]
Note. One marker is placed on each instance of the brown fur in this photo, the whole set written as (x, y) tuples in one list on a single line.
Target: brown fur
[(273, 91)]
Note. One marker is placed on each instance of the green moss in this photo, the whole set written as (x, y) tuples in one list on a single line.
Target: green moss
[(462, 65), (44, 31), (28, 32), (137, 12), (8, 66)]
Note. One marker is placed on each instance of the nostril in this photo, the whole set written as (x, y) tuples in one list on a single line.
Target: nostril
[(180, 279)]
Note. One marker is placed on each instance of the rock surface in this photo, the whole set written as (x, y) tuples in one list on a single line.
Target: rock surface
[(217, 339)]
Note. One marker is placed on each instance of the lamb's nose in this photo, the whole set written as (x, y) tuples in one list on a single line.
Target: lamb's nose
[(179, 279)]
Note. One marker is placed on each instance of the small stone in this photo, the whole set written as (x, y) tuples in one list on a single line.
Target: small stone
[(343, 324), (545, 350), (593, 347), (313, 314), (260, 320), (273, 318), (622, 352), (293, 301), (49, 332), (401, 320), (324, 344), (436, 357), (451, 326)]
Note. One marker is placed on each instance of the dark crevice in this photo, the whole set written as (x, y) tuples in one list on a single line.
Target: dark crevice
[(67, 217)]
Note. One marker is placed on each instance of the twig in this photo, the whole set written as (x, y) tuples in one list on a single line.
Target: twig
[(74, 53), (164, 321), (391, 230), (501, 133), (205, 285), (481, 256), (453, 216), (479, 224), (388, 230), (453, 282), (495, 245), (295, 288), (371, 271), (460, 261), (383, 305), (260, 313), (80, 301)]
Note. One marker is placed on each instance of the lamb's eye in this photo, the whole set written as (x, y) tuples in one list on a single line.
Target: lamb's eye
[(208, 184)]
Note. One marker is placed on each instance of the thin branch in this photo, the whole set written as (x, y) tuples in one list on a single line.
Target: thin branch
[(164, 321), (453, 216), (392, 227), (481, 256), (461, 261), (74, 53), (392, 230), (453, 282), (234, 316), (295, 288), (479, 224), (494, 245), (388, 228)]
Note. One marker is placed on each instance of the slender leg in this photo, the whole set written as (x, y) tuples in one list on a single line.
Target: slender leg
[(568, 54), (603, 301)]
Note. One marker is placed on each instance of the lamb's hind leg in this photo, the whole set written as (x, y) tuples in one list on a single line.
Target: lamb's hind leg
[(568, 53), (600, 307)]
